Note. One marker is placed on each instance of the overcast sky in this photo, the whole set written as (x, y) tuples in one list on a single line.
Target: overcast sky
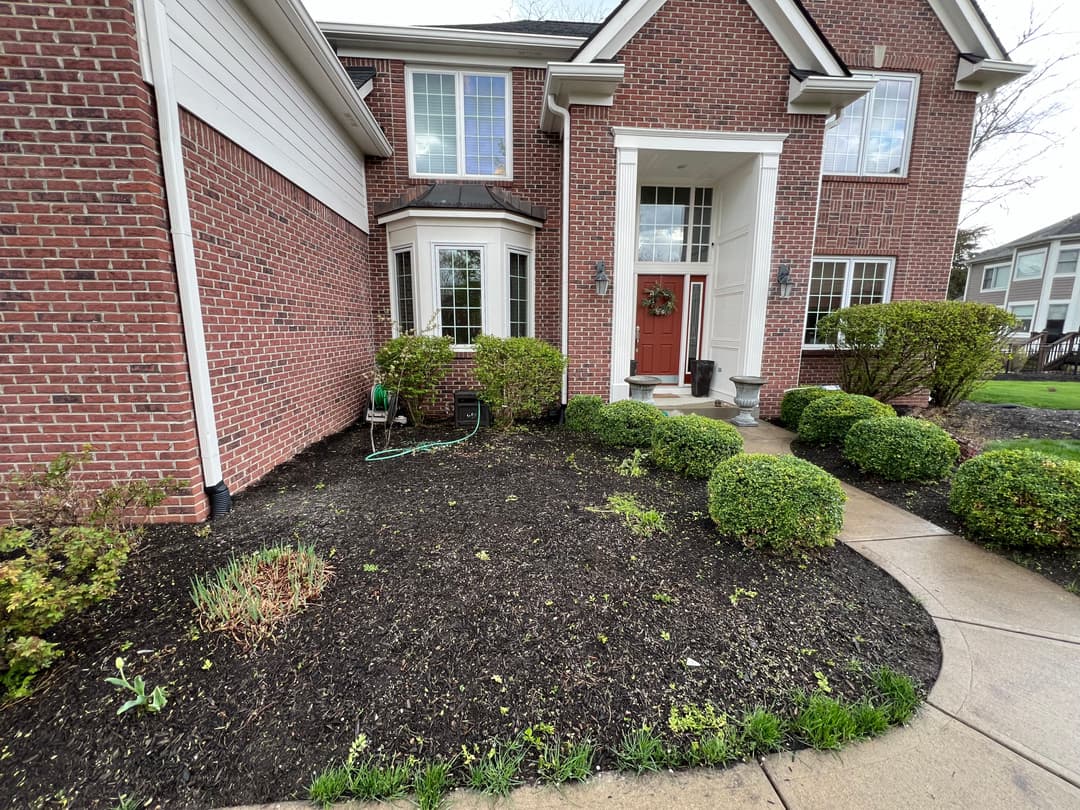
[(1055, 197)]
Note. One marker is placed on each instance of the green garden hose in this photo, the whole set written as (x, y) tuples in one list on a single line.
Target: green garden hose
[(423, 447)]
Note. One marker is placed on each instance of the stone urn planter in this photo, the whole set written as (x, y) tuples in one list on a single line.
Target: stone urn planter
[(747, 397), (642, 386)]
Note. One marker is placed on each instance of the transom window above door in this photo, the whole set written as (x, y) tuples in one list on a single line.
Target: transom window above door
[(674, 224)]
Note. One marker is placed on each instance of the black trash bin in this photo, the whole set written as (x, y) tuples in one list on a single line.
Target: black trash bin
[(702, 378)]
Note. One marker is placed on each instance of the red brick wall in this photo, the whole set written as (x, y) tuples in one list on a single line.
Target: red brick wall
[(93, 348), (286, 306)]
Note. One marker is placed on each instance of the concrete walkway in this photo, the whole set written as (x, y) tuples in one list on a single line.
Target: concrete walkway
[(1001, 727)]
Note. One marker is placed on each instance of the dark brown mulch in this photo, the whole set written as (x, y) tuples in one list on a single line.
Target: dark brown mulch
[(983, 422), (500, 601)]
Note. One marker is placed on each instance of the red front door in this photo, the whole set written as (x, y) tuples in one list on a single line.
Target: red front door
[(659, 337)]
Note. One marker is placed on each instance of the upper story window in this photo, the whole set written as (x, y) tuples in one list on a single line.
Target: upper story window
[(995, 277), (836, 283), (674, 224), (872, 136), (1066, 263), (1029, 265), (458, 123)]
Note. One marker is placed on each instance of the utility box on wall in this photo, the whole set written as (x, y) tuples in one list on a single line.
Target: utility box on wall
[(466, 404)]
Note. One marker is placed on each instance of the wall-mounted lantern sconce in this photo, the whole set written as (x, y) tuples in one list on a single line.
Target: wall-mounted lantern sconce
[(601, 279), (784, 285)]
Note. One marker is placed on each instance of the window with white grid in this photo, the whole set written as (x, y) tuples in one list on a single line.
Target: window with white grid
[(838, 282), (674, 224), (519, 293), (461, 302), (458, 123), (406, 298), (872, 135)]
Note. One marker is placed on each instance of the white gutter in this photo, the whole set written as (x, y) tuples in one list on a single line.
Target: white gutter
[(172, 160), (564, 304)]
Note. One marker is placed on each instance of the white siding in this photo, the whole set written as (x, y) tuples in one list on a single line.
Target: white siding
[(229, 73)]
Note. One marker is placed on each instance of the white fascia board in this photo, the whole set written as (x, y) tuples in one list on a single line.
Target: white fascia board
[(448, 44), (570, 83), (618, 30), (292, 28), (797, 38), (988, 74), (699, 140), (967, 28), (428, 214), (824, 95)]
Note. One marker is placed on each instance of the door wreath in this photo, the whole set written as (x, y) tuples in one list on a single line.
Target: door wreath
[(659, 300)]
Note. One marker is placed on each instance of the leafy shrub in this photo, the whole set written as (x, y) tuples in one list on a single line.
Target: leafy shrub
[(904, 449), (780, 503), (795, 401), (519, 377), (693, 445), (63, 554), (627, 423), (1018, 497), (581, 412), (412, 366), (966, 347), (828, 419)]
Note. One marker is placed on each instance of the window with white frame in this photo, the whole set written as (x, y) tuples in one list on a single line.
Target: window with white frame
[(1025, 314), (836, 283), (674, 224), (1029, 265), (995, 277), (872, 135), (1056, 315), (518, 293), (1067, 258), (406, 294), (461, 296), (458, 123)]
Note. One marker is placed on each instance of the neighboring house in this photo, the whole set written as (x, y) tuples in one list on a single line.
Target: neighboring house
[(1034, 278), (211, 225)]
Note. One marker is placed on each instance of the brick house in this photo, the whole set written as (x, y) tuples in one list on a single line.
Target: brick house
[(212, 212)]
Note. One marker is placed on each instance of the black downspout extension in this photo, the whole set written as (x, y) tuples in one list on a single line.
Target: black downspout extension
[(220, 500)]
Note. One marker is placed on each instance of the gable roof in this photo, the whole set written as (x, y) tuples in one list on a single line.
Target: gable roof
[(1066, 227), (550, 28)]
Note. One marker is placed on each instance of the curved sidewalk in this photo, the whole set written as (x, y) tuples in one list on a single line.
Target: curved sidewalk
[(1001, 727)]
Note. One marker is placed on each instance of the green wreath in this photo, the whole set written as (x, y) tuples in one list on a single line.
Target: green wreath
[(659, 300)]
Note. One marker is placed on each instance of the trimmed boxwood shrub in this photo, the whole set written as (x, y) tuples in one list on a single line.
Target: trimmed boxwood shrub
[(795, 401), (581, 412), (904, 449), (779, 503), (1018, 497), (828, 419), (693, 445), (627, 423)]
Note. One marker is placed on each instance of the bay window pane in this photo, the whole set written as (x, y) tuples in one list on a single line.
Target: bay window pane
[(519, 294), (460, 293), (406, 310)]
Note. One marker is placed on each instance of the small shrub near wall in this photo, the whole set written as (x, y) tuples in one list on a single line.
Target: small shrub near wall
[(693, 445), (828, 419), (627, 423), (519, 377), (904, 449), (1018, 498), (777, 503), (412, 366), (795, 401), (581, 412)]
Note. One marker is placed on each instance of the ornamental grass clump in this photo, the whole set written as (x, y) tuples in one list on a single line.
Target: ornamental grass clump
[(795, 401), (777, 503), (627, 423), (581, 412), (828, 419), (693, 445), (901, 449), (1018, 498), (252, 595)]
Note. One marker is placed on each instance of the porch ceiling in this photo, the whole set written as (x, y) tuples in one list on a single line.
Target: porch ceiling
[(694, 167)]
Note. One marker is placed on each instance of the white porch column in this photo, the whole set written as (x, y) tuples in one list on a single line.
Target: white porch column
[(624, 285), (762, 271)]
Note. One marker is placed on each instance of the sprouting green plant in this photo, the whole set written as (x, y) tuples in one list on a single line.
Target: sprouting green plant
[(899, 693), (496, 772), (203, 531), (329, 786), (129, 801), (603, 639), (694, 719), (665, 635), (431, 783), (371, 568), (822, 681), (739, 594), (762, 732), (641, 750), (633, 465), (534, 735), (640, 521), (664, 598), (711, 750), (154, 703), (560, 762), (483, 555)]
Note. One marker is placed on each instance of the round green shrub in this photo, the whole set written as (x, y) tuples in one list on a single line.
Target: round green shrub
[(779, 503), (1018, 497), (627, 423), (693, 445), (795, 402), (828, 419), (581, 412), (904, 449)]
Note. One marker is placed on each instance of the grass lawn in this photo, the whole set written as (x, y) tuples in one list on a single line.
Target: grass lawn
[(478, 593), (1063, 448), (1059, 396)]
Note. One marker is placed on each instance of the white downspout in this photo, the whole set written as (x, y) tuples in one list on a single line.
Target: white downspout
[(564, 312), (172, 160)]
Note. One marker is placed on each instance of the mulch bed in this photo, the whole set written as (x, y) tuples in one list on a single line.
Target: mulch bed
[(440, 647)]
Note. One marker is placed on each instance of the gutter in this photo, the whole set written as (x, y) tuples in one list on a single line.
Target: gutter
[(172, 161), (564, 303)]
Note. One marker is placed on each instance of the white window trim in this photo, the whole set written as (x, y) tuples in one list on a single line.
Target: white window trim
[(1057, 259), (394, 300), (459, 113), (651, 267), (1016, 264), (998, 266), (436, 279), (1034, 312), (530, 291), (909, 135), (849, 271)]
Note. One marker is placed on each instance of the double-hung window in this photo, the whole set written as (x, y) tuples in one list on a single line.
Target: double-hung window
[(1029, 265), (406, 293), (517, 288), (995, 277), (458, 123), (872, 135), (1025, 314), (836, 283), (1067, 260)]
